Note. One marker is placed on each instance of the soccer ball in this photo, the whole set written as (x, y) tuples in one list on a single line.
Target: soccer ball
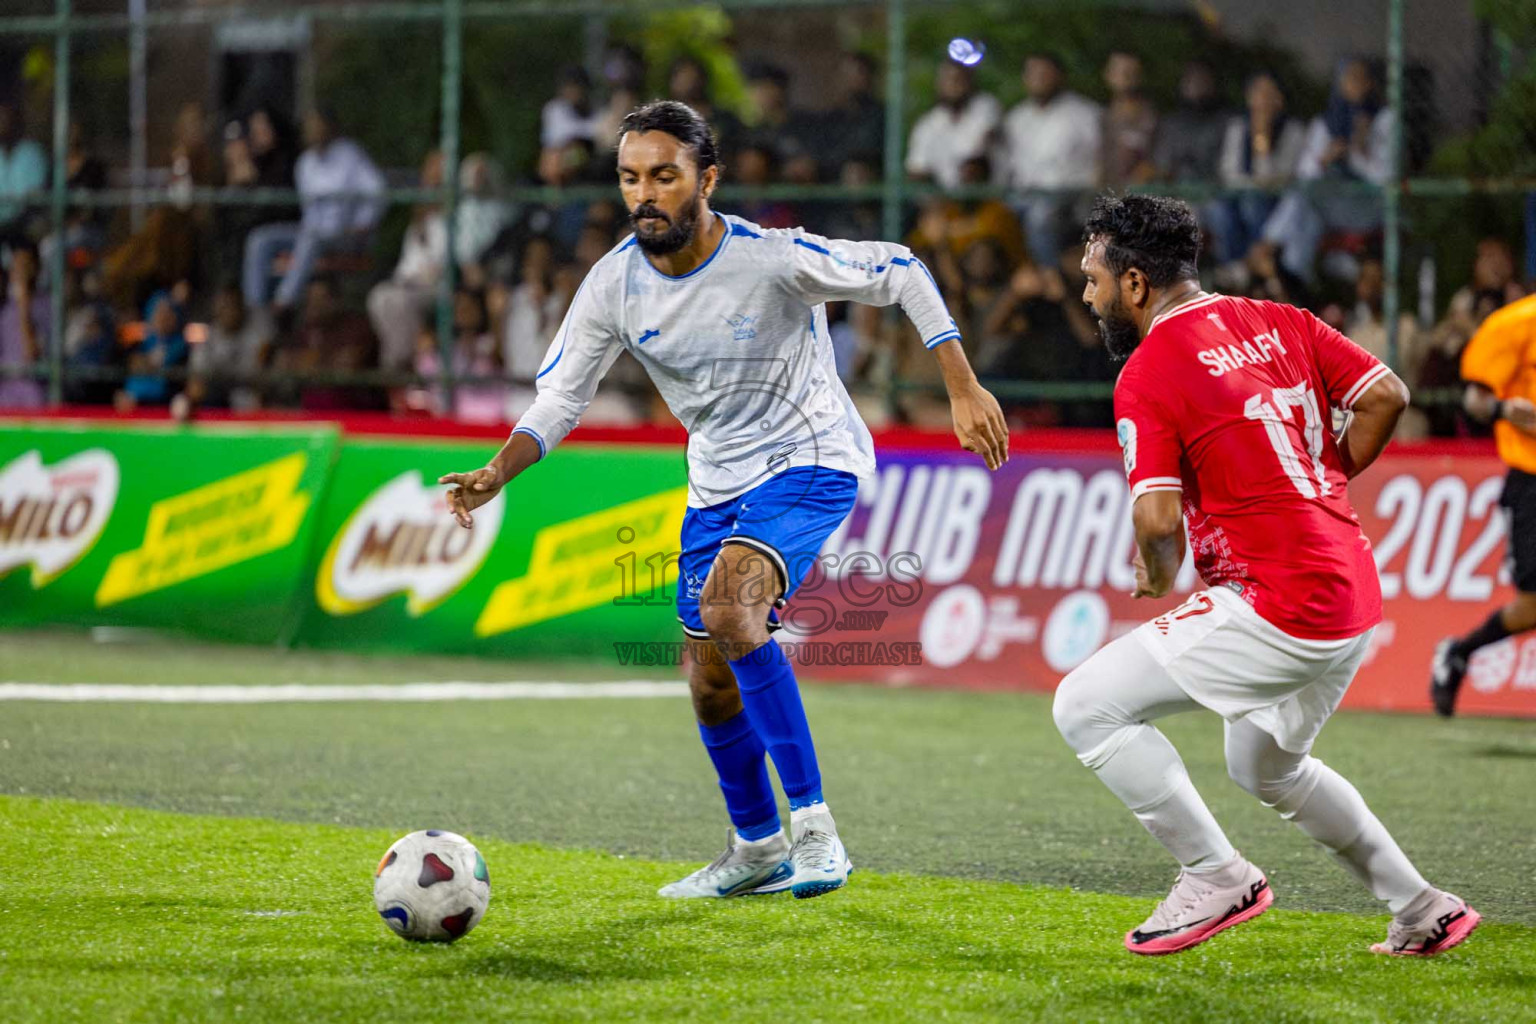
[(432, 886)]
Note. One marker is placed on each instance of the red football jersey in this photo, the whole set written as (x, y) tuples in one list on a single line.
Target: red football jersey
[(1230, 400)]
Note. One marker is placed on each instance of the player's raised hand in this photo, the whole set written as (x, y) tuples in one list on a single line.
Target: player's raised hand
[(979, 423), (470, 491)]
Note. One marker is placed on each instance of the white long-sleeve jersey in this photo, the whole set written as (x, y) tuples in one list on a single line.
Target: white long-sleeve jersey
[(738, 348)]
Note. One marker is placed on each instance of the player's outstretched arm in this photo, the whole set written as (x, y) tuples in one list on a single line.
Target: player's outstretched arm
[(978, 419), (477, 487), (1373, 418)]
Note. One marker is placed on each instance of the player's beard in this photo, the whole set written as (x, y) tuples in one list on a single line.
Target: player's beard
[(679, 233), (1120, 333)]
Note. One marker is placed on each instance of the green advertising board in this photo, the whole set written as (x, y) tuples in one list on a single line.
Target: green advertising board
[(196, 530), (560, 565), (300, 536)]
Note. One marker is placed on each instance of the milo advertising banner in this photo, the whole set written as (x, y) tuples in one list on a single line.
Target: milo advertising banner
[(562, 564), (197, 531)]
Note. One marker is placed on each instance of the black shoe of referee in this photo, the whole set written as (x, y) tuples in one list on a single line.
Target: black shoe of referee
[(1449, 668)]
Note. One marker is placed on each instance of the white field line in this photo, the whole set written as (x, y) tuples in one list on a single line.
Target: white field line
[(296, 693)]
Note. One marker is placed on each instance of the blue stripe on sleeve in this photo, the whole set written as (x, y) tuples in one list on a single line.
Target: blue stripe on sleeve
[(533, 434), (569, 316), (949, 335), (813, 247)]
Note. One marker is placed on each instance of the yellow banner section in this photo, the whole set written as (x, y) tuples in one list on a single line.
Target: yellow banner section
[(584, 562), (211, 527)]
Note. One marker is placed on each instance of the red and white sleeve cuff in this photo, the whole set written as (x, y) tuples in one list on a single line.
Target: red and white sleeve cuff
[(1362, 385), (1156, 483)]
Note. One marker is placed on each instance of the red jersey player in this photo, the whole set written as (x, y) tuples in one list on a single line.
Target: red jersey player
[(1224, 411)]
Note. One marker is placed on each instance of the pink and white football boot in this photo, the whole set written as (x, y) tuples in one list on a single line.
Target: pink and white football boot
[(1201, 905)]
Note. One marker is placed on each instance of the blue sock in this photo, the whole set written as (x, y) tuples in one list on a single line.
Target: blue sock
[(772, 701), (738, 753)]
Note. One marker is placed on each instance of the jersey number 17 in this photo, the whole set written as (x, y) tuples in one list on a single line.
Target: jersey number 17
[(1294, 448)]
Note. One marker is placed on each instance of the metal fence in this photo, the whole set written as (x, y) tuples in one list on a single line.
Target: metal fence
[(75, 25)]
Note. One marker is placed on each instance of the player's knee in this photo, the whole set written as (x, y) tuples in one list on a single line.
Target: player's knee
[(1274, 781), (1074, 709), (726, 621)]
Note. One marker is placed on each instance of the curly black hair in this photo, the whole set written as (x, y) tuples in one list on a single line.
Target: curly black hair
[(680, 121), (1157, 235)]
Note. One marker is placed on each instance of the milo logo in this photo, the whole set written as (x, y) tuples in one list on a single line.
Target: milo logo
[(50, 516), (401, 540)]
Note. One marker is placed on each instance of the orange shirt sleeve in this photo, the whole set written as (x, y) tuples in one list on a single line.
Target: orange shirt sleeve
[(1492, 358)]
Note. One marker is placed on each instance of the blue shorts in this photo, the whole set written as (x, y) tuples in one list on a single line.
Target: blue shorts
[(787, 518)]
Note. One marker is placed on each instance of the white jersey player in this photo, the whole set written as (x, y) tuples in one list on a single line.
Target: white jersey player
[(727, 318)]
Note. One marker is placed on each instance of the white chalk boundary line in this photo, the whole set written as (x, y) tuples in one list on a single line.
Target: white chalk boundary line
[(298, 693)]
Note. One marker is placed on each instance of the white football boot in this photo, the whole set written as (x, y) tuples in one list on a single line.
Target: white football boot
[(820, 862), (745, 868)]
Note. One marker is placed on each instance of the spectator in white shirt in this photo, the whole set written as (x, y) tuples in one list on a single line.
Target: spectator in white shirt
[(340, 192), (569, 115), (397, 307), (1052, 140), (1350, 141), (963, 125)]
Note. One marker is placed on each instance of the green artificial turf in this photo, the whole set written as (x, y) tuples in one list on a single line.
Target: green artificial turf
[(110, 913), (120, 912)]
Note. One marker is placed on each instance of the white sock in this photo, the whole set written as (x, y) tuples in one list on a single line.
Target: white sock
[(765, 841), (1335, 815), (1140, 766), (797, 815)]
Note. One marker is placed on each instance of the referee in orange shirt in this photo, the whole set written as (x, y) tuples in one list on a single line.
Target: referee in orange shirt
[(1499, 366)]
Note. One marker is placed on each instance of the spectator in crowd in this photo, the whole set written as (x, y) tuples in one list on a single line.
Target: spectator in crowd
[(756, 165), (952, 226), (1053, 139), (170, 247), (854, 127), (397, 306), (569, 115), (962, 125), (475, 354), (527, 316), (1434, 361), (164, 348), (1350, 141), (1034, 329), (624, 76), (1364, 325), (688, 82), (84, 231), (1190, 137), (26, 324), (259, 153), (482, 216), (330, 339), (1130, 123), (91, 350), (1260, 150), (858, 334), (23, 169), (788, 134), (340, 191), (576, 164), (854, 218), (238, 344)]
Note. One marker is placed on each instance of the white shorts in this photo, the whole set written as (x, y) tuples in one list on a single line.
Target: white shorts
[(1229, 659)]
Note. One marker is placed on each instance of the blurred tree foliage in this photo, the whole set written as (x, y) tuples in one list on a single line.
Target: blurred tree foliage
[(1505, 146)]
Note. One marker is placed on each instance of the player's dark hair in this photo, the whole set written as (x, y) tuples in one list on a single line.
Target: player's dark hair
[(1157, 235), (680, 121)]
